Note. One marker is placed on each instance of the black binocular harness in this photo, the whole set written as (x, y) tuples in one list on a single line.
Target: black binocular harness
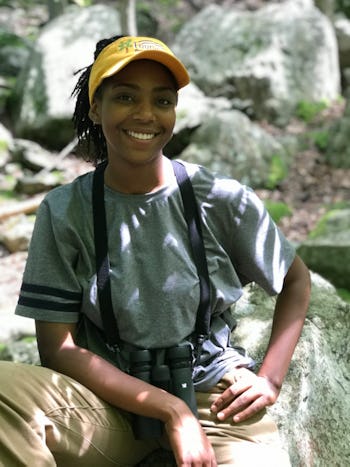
[(192, 217)]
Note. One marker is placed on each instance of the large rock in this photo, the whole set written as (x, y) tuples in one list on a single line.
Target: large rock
[(313, 408), (265, 61), (65, 45), (327, 251), (229, 143)]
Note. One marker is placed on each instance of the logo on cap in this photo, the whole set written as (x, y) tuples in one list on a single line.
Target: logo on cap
[(138, 46)]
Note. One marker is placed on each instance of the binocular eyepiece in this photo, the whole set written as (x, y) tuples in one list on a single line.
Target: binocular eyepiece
[(169, 369)]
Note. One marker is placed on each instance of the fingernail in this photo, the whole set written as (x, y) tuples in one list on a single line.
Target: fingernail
[(220, 415), (213, 408)]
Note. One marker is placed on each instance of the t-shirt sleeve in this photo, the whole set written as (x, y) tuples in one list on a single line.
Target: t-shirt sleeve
[(50, 290), (261, 252)]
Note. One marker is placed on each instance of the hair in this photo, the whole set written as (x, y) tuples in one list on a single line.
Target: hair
[(91, 141)]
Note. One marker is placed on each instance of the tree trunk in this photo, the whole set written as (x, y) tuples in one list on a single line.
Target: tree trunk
[(127, 10)]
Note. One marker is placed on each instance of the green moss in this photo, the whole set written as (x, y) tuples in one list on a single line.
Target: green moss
[(6, 195), (277, 171), (322, 226), (28, 339), (320, 139), (307, 111), (344, 294), (277, 210)]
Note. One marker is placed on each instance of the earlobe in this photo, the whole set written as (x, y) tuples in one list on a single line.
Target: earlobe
[(94, 114)]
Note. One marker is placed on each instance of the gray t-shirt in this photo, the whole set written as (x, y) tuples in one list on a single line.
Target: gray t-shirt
[(155, 286)]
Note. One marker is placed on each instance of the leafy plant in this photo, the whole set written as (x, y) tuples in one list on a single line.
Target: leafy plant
[(277, 210), (320, 139), (277, 171), (307, 111), (344, 294)]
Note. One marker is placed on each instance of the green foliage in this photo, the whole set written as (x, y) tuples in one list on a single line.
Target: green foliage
[(307, 111), (3, 145), (82, 3), (28, 339), (321, 227), (344, 294), (320, 139), (343, 6), (277, 210), (277, 171)]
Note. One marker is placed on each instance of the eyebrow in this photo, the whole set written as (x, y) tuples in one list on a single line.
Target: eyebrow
[(118, 84)]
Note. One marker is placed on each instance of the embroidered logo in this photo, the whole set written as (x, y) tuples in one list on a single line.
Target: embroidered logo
[(125, 45), (148, 45)]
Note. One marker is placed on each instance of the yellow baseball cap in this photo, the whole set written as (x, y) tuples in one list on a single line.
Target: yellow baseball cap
[(121, 52)]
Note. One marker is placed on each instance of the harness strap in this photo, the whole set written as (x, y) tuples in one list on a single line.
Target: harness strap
[(109, 321), (192, 217)]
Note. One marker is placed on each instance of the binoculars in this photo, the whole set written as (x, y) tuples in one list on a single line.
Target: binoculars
[(169, 369)]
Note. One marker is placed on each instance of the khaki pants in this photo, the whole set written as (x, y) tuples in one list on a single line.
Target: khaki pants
[(48, 419)]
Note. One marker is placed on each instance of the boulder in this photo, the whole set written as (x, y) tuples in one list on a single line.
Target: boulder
[(43, 90), (230, 143), (16, 232), (327, 250), (265, 61), (313, 408), (193, 110)]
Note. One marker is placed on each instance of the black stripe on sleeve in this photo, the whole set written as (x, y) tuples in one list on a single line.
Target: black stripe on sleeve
[(48, 305), (52, 291)]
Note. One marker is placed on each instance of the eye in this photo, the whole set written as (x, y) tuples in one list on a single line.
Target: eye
[(166, 101), (124, 97)]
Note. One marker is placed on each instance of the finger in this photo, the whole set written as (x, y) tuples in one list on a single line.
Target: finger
[(230, 394), (236, 406), (252, 409)]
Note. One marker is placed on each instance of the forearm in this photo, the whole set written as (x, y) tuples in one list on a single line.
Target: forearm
[(289, 317), (115, 386)]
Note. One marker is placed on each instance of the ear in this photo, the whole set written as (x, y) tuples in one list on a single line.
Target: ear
[(94, 113)]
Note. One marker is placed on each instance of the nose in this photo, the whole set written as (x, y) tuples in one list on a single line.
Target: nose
[(144, 111)]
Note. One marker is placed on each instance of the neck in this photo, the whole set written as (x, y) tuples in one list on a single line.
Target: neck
[(138, 179)]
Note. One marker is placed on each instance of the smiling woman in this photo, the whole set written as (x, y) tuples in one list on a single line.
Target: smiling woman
[(131, 274), (136, 110)]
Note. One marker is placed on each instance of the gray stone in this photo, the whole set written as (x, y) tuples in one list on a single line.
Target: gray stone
[(313, 408), (16, 232), (265, 61), (230, 143), (327, 252), (31, 155), (64, 46)]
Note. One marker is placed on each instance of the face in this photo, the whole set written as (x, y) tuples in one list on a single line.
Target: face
[(136, 108)]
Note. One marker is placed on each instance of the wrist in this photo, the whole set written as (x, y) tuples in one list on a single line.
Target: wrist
[(272, 380), (174, 410)]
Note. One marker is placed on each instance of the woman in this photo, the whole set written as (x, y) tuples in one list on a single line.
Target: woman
[(77, 409)]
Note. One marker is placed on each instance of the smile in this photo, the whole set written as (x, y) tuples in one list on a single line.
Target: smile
[(143, 136)]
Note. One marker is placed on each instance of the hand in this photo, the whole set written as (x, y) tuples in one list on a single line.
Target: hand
[(189, 443), (246, 397)]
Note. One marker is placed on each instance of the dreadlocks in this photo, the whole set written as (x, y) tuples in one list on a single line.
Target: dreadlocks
[(91, 141)]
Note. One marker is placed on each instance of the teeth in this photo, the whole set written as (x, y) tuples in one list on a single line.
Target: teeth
[(141, 135)]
